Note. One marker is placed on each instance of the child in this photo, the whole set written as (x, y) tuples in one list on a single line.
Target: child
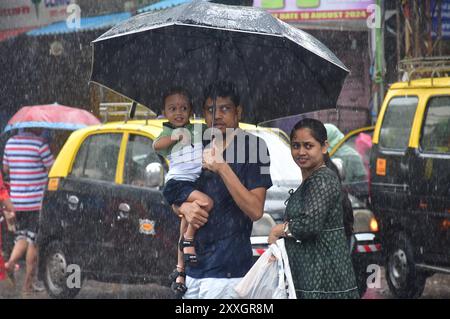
[(181, 143), (8, 212)]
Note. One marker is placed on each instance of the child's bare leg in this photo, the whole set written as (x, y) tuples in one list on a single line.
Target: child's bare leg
[(190, 231), (178, 276), (180, 258)]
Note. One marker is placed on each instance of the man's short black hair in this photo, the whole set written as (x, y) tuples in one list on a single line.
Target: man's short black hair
[(222, 89)]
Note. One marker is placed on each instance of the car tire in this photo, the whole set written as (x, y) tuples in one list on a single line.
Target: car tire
[(403, 279), (55, 272)]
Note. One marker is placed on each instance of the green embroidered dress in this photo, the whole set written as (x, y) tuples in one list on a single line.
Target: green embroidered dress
[(318, 252)]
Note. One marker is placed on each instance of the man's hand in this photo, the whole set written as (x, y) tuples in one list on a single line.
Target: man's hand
[(212, 158), (194, 213)]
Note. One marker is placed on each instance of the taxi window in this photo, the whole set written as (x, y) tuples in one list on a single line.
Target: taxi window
[(139, 154), (97, 157), (397, 122), (436, 129)]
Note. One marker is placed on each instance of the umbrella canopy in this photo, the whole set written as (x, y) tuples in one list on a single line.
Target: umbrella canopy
[(279, 70), (51, 116)]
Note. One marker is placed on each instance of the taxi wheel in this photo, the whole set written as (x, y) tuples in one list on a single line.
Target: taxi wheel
[(58, 281), (403, 279)]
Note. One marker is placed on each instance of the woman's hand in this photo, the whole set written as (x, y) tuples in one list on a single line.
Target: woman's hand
[(276, 232)]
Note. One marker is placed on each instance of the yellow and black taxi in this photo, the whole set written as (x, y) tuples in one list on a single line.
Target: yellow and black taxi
[(410, 182), (104, 212)]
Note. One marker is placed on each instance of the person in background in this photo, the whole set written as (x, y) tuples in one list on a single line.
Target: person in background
[(26, 160), (7, 210), (353, 163)]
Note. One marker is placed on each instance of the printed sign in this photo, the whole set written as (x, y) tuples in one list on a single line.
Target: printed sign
[(147, 227), (32, 13), (316, 10), (445, 18)]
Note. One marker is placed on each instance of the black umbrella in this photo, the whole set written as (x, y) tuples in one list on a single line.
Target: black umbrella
[(279, 70)]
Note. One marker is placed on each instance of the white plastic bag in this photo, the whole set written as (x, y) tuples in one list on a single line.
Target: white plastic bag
[(270, 277)]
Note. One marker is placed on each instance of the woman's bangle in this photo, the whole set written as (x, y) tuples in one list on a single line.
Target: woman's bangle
[(286, 231)]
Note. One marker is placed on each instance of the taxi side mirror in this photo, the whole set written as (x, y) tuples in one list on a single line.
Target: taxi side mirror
[(154, 175), (339, 163)]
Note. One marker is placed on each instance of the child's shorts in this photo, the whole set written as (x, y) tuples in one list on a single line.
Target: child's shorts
[(177, 192), (27, 223)]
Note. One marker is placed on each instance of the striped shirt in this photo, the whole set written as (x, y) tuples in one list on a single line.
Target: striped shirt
[(28, 158)]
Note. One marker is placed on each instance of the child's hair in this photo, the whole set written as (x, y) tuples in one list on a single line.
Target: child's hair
[(177, 90), (318, 130), (222, 89)]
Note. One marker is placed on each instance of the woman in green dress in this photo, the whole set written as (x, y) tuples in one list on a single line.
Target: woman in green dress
[(314, 234)]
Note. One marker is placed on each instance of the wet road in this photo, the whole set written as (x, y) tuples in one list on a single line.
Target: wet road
[(90, 290), (437, 287)]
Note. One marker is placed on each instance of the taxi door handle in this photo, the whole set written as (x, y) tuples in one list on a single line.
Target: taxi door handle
[(124, 210), (124, 207), (73, 202)]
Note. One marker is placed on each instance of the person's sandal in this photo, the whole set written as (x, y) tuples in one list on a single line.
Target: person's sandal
[(178, 288), (190, 259)]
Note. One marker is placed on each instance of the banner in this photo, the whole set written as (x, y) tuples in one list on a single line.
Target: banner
[(445, 18), (31, 13), (317, 10)]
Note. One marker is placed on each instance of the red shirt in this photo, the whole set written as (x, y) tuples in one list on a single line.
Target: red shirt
[(3, 190)]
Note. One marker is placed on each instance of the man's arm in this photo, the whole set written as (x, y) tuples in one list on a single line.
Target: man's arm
[(46, 157), (251, 202)]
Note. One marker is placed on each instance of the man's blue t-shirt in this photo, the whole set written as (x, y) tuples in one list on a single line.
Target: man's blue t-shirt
[(223, 245)]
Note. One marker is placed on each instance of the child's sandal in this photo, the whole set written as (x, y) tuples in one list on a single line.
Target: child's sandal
[(190, 259), (178, 288)]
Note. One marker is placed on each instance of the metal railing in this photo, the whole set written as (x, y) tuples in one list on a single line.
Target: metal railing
[(124, 110)]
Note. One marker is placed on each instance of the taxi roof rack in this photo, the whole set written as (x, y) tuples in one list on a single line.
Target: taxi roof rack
[(129, 110), (431, 67)]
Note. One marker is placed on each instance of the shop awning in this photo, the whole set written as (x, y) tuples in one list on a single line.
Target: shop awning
[(86, 24), (164, 4), (5, 34)]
